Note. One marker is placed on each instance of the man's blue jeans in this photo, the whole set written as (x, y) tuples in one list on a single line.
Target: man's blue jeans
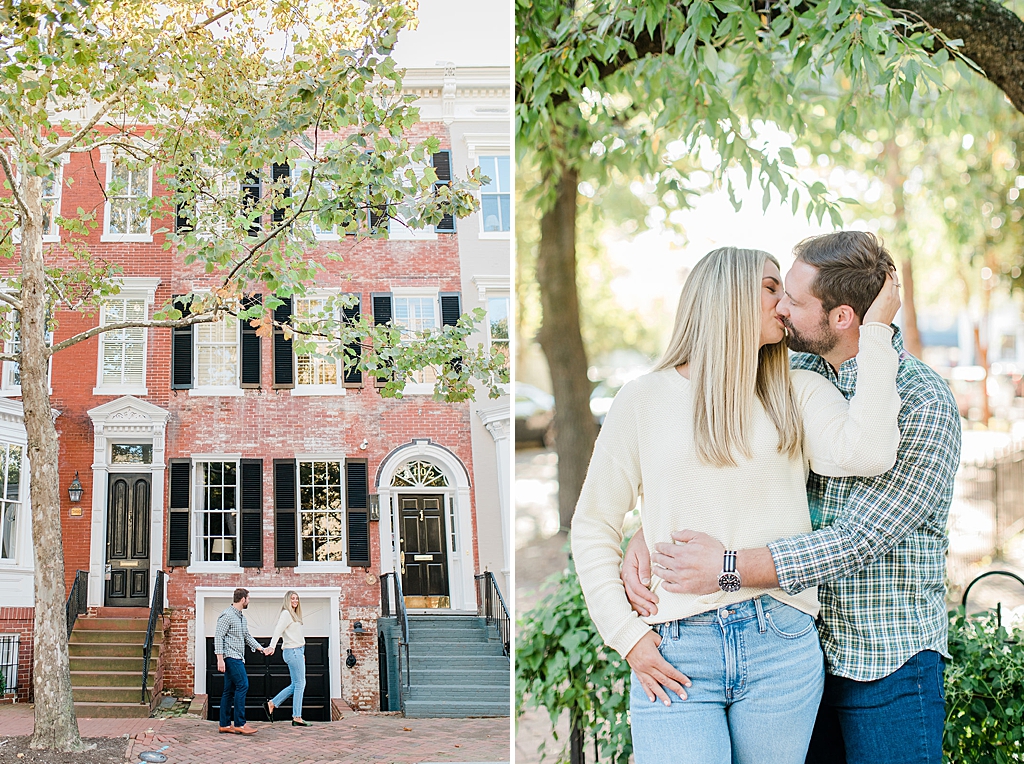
[(295, 657), (757, 673), (898, 718), (236, 685)]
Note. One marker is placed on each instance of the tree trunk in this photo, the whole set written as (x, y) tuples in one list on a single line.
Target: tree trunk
[(562, 342), (56, 726), (911, 334)]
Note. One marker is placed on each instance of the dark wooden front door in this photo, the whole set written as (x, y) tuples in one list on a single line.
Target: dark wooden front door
[(128, 528), (424, 546)]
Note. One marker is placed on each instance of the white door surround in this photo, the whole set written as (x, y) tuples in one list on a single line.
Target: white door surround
[(125, 420), (461, 584)]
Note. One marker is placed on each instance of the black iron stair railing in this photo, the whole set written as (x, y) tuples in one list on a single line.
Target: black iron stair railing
[(491, 605), (999, 605), (78, 599), (156, 609), (403, 620)]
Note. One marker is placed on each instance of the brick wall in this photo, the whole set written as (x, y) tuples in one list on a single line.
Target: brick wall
[(19, 620)]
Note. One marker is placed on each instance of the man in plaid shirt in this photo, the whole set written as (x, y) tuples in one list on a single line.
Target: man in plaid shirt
[(877, 554)]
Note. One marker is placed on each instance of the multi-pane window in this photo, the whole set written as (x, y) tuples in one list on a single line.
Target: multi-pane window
[(127, 192), (312, 369), (417, 314), (217, 353), (10, 497), (495, 197), (12, 369), (497, 326), (123, 350), (51, 202), (218, 507), (321, 514)]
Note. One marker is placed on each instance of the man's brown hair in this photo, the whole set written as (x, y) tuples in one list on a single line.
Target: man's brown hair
[(241, 594), (852, 266)]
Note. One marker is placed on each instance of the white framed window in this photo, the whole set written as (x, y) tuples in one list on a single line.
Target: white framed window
[(10, 498), (321, 511), (122, 360), (52, 188), (417, 311), (497, 326), (495, 197), (314, 373), (10, 374), (216, 494), (398, 230), (127, 188), (215, 359)]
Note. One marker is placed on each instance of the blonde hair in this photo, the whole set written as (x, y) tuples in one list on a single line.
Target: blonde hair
[(287, 605), (718, 333)]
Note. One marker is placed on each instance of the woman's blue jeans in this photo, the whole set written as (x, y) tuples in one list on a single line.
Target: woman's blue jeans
[(757, 673), (295, 657)]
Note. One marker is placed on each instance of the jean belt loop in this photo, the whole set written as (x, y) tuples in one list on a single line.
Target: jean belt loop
[(759, 607), (676, 626)]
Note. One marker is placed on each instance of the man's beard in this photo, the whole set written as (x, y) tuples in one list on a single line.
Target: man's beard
[(819, 345)]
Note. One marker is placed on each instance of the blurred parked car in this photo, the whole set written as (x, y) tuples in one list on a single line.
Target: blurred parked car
[(535, 413), (601, 399)]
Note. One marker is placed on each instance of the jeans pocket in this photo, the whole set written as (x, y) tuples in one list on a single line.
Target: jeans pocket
[(940, 677), (788, 622)]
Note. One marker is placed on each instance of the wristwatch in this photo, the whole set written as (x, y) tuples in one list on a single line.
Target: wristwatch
[(729, 578)]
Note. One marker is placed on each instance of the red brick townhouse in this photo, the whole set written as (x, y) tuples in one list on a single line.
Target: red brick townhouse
[(226, 460)]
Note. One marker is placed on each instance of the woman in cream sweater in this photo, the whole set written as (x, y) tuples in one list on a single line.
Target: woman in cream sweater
[(293, 650), (718, 439)]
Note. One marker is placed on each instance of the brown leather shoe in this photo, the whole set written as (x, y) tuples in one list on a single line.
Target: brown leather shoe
[(226, 729), (248, 729)]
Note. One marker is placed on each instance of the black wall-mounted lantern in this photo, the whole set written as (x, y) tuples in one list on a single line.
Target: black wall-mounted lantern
[(75, 490), (357, 627), (350, 661)]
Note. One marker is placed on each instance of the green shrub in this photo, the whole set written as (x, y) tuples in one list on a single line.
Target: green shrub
[(984, 693), (563, 665)]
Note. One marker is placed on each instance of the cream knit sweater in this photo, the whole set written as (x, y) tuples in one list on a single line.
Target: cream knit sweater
[(289, 631), (646, 449)]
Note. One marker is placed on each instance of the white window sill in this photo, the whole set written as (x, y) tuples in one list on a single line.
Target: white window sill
[(214, 567), (209, 392), (418, 388), (415, 234), (12, 566), (322, 567), (326, 237), (116, 238), (311, 390), (15, 392), (120, 390), (496, 235), (51, 239)]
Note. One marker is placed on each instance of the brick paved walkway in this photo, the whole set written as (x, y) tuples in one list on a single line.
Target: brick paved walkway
[(359, 738)]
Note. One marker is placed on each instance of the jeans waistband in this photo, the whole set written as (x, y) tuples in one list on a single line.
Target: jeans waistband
[(736, 612)]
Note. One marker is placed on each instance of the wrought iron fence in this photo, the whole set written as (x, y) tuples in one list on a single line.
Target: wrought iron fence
[(9, 662), (155, 611), (491, 605), (386, 581), (77, 603), (996, 487)]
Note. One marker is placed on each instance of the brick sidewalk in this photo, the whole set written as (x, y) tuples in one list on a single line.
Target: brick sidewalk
[(359, 738)]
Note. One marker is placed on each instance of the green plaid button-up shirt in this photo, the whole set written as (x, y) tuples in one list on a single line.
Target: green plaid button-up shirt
[(877, 554)]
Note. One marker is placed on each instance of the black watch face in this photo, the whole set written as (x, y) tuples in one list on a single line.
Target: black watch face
[(729, 582)]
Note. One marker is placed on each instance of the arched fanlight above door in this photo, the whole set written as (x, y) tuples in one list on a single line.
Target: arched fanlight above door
[(419, 474)]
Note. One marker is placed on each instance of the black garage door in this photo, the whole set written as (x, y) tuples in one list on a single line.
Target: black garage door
[(269, 675)]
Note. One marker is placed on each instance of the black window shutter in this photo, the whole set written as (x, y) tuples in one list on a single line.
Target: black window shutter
[(178, 539), (279, 171), (382, 310), (442, 161), (352, 377), (284, 359), (251, 347), (252, 190), (252, 513), (286, 531), (451, 309), (181, 222), (181, 351), (357, 507)]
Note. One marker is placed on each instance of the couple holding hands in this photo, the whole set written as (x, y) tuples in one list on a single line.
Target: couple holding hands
[(785, 598)]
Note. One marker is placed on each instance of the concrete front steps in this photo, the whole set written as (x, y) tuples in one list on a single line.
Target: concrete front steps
[(457, 668), (106, 663)]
